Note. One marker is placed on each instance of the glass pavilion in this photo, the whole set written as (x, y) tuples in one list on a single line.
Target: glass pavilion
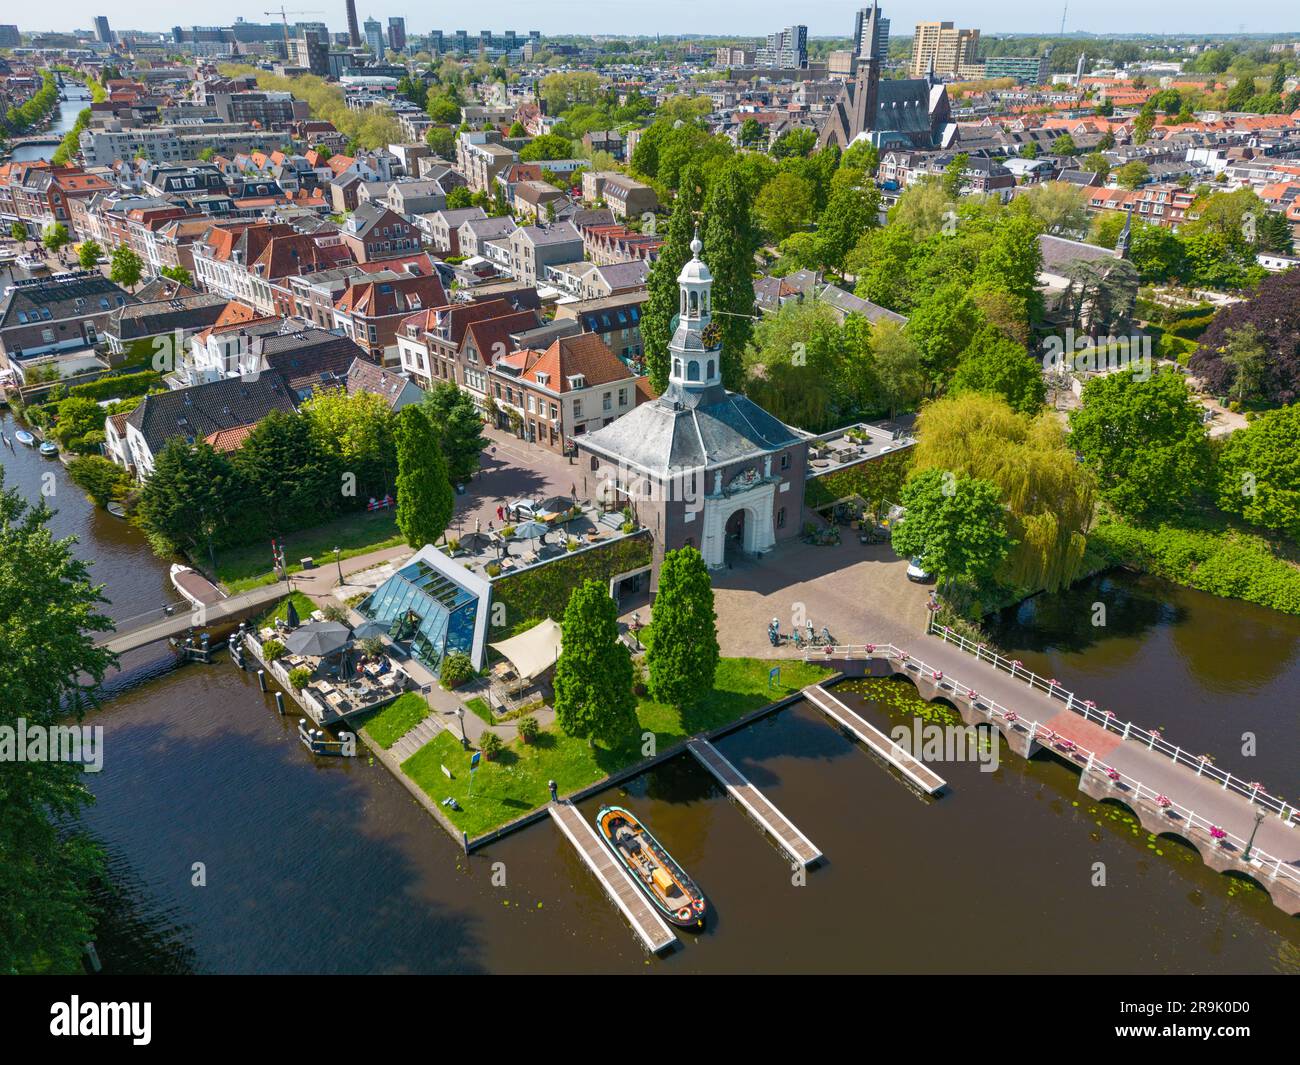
[(426, 612)]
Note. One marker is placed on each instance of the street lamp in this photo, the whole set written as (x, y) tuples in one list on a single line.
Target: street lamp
[(1259, 817), (460, 716), (338, 557)]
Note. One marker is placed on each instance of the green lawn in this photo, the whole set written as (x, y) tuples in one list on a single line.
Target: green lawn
[(515, 782), (397, 719), (280, 612), (480, 709), (249, 566)]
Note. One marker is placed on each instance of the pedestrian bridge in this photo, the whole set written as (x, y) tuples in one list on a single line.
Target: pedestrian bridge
[(161, 624), (1236, 827)]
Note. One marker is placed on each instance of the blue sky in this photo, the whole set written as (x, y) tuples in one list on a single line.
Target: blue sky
[(753, 17)]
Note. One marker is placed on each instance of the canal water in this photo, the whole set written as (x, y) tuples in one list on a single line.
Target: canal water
[(328, 865), (78, 100)]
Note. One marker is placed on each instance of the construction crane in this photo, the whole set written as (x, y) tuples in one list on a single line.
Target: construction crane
[(284, 21)]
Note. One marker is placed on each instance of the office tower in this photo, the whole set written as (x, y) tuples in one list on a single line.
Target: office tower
[(375, 37), (785, 48), (871, 34), (354, 33), (940, 48), (102, 33), (397, 34)]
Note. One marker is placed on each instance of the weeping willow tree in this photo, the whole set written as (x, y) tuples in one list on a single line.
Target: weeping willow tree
[(1048, 495)]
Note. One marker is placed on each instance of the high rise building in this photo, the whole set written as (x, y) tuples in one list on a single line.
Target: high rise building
[(102, 33), (939, 47), (354, 32), (786, 48), (397, 34), (871, 33), (375, 37)]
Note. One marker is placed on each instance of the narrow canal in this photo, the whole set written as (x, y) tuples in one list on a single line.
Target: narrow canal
[(77, 101), (328, 865)]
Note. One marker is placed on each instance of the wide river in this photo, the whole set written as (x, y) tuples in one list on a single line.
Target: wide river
[(327, 865)]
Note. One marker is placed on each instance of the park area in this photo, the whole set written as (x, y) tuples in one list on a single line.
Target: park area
[(514, 782)]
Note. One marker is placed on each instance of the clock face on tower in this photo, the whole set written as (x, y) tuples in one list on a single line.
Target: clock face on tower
[(712, 335)]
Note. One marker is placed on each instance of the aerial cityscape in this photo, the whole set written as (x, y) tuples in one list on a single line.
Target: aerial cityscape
[(513, 501)]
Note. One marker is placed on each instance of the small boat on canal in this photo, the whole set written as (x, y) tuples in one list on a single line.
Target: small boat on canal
[(49, 449), (666, 884), (25, 438), (195, 587)]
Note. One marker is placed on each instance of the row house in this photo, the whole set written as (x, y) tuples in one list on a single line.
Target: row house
[(626, 197), (429, 342), (44, 317), (537, 200), (36, 193), (409, 198), (371, 309), (484, 342), (1164, 204), (615, 319), (475, 232), (374, 231), (254, 262), (589, 281), (605, 140), (549, 398), (480, 156), (442, 228), (533, 248), (618, 244), (315, 295)]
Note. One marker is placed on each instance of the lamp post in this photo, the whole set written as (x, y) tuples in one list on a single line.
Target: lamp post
[(338, 561), (1259, 817), (460, 716)]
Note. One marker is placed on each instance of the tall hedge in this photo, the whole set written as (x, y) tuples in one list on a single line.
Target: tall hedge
[(873, 480)]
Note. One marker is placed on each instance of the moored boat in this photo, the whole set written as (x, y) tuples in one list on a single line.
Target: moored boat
[(49, 449), (652, 867), (24, 437), (195, 587)]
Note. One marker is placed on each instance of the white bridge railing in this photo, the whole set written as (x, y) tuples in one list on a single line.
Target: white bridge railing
[(1183, 820), (1150, 739)]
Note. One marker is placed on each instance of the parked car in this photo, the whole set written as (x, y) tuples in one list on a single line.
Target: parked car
[(916, 572), (524, 509)]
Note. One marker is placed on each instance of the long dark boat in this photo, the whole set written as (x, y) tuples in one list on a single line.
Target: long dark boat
[(653, 868)]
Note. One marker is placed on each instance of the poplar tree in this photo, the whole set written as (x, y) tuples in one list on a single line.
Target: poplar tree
[(683, 655), (593, 678), (731, 239), (661, 306), (425, 499)]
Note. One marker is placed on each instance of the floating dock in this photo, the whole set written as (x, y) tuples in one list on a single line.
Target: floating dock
[(755, 803), (616, 880), (916, 772)]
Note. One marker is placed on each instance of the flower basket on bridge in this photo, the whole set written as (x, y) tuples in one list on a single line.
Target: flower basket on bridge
[(937, 674), (1012, 717), (1164, 802), (1113, 773), (1218, 835), (871, 647)]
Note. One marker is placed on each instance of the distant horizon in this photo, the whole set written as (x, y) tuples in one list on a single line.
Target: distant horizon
[(676, 17)]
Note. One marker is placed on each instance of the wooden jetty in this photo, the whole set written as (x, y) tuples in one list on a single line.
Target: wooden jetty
[(755, 803), (916, 772), (616, 880)]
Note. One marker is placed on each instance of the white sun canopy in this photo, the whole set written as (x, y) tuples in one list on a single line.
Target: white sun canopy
[(533, 651)]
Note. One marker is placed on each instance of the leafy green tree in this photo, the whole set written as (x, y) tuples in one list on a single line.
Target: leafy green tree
[(751, 132), (52, 612), (425, 497), (1145, 440), (992, 363), (55, 237), (799, 141), (126, 267), (1064, 145), (195, 498), (1049, 496), (683, 656), (731, 239), (1057, 207), (459, 198), (1133, 174), (294, 481), (897, 365), (358, 430), (77, 416), (954, 175), (593, 677), (784, 205), (662, 302), (100, 478), (88, 254), (942, 327), (1156, 252), (442, 108), (1258, 476), (460, 428), (442, 142), (547, 146), (18, 232), (954, 524), (849, 213), (178, 274), (1097, 163)]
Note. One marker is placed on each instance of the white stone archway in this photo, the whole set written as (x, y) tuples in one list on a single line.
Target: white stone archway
[(758, 535)]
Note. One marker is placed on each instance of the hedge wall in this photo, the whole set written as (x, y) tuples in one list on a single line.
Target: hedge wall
[(119, 386), (1230, 564), (873, 480), (543, 591)]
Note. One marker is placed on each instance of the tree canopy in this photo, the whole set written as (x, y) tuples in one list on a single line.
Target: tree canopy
[(593, 677), (683, 654)]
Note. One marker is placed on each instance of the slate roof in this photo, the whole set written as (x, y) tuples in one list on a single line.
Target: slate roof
[(309, 359), (1058, 252), (366, 376), (162, 316), (62, 296), (198, 412), (683, 430)]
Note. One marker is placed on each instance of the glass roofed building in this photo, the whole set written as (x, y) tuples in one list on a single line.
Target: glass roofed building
[(433, 607)]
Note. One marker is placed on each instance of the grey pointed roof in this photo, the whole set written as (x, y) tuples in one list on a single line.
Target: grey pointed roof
[(685, 430)]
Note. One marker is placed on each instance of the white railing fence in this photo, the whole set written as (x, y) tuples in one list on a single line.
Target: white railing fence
[(1183, 819)]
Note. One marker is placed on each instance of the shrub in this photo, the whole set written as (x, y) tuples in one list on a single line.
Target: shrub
[(529, 729), (372, 647), (457, 669), (335, 613), (272, 649), (490, 745), (299, 677)]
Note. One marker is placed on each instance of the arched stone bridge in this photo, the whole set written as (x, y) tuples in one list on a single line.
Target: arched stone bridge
[(1170, 792)]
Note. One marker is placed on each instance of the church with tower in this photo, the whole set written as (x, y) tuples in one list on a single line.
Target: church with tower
[(700, 466)]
